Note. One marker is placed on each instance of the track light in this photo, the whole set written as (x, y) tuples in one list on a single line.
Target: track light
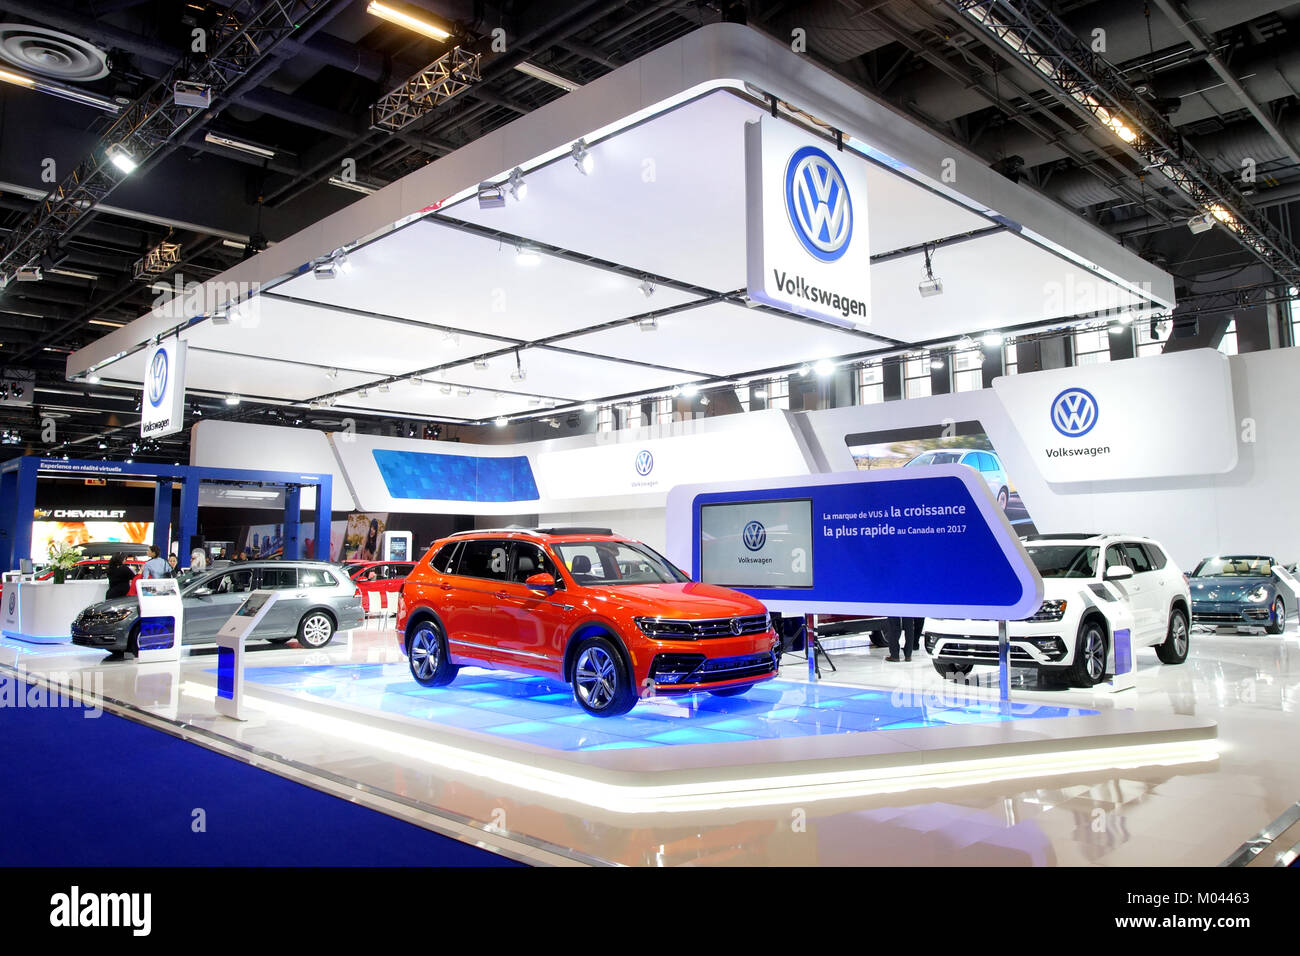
[(553, 422), (992, 340), (416, 381), (690, 391), (519, 374), (704, 400), (823, 367), (527, 255), (383, 388), (122, 158), (324, 269), (589, 406), (1202, 223), (331, 373), (516, 185), (501, 422), (490, 196), (445, 389), (363, 393), (936, 364), (463, 392), (232, 399), (647, 324), (929, 285), (582, 157), (450, 340), (647, 287), (480, 365)]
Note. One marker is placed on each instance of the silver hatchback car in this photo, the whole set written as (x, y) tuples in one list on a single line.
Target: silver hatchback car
[(316, 599)]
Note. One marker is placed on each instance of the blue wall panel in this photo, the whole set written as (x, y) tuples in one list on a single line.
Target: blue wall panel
[(418, 474)]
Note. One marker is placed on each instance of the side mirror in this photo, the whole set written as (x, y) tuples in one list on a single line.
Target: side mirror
[(202, 592), (1118, 572), (541, 582)]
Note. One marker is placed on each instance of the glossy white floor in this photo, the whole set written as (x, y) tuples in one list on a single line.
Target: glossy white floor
[(1176, 815)]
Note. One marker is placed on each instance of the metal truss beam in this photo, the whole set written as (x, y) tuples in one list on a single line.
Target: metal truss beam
[(446, 77), (246, 33), (1098, 92)]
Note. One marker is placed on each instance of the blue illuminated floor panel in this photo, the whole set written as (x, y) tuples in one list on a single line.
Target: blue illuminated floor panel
[(542, 712)]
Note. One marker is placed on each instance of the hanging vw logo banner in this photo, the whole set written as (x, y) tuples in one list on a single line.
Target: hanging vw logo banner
[(806, 225), (162, 406)]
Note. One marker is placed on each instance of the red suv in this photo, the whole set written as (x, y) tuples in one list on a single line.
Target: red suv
[(597, 610)]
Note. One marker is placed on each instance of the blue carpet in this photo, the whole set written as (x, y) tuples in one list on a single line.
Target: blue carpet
[(111, 792)]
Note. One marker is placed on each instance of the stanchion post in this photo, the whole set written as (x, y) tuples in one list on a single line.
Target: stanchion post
[(810, 648), (1004, 662)]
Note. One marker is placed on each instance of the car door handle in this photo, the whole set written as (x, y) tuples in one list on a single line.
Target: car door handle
[(445, 586), (501, 595)]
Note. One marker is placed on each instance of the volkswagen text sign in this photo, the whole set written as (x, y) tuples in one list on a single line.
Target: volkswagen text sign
[(162, 406), (806, 225)]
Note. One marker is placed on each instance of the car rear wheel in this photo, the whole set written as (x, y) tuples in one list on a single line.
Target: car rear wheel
[(1004, 496), (315, 630), (1174, 649), (601, 684), (427, 652), (1277, 624), (730, 691), (1089, 668), (878, 639)]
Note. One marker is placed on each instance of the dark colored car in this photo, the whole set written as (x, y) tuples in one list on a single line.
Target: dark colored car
[(1242, 590), (317, 599)]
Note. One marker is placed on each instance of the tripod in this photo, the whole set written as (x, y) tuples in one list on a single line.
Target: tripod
[(794, 628)]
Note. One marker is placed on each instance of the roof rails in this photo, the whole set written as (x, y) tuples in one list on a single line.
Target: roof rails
[(1069, 536), (535, 531)]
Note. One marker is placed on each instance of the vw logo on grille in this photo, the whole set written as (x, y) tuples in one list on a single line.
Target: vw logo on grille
[(818, 203), (1074, 412), (736, 626), (645, 463), (157, 384), (754, 536)]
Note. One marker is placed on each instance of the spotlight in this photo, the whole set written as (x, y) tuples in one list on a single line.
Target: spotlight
[(527, 255), (121, 157), (992, 340), (383, 388), (803, 370), (446, 389), (450, 340), (647, 324), (534, 401), (480, 365), (553, 422), (690, 391), (490, 196), (416, 381), (463, 392), (501, 422), (823, 367), (1153, 329), (331, 373), (582, 157), (516, 185), (232, 399), (363, 393), (29, 274), (704, 400), (760, 393), (589, 406), (92, 378), (189, 93), (936, 364), (324, 269), (1202, 223), (929, 285), (647, 287), (519, 374), (676, 390), (1116, 329)]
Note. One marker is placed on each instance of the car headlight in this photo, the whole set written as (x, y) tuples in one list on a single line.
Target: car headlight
[(1258, 595), (665, 629), (1050, 611)]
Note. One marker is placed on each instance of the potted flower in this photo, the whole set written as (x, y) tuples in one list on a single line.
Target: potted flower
[(63, 557)]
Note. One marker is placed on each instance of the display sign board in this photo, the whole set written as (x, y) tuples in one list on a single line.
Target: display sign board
[(162, 407), (230, 651), (161, 619), (925, 543), (806, 224), (398, 545), (1165, 416)]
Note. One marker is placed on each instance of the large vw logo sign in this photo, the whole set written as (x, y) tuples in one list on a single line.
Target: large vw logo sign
[(645, 463), (754, 536), (1074, 412), (818, 203), (156, 386)]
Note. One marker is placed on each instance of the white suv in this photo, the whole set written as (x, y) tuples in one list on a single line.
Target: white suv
[(1091, 582)]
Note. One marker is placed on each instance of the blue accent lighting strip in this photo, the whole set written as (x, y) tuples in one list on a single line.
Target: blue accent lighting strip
[(418, 474)]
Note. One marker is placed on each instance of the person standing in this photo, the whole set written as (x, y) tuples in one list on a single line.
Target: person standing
[(906, 628), (155, 567), (119, 578)]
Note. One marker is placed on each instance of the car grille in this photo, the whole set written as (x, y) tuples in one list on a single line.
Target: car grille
[(696, 670), (678, 629), (721, 627), (1230, 615), (983, 652), (88, 618)]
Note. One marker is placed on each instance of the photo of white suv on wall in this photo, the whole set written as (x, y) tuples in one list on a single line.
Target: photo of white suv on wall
[(1088, 581)]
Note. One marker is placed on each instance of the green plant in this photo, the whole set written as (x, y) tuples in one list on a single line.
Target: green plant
[(63, 557)]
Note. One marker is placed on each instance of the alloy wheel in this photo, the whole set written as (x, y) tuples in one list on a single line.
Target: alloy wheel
[(317, 630), (1094, 654), (425, 653), (596, 677), (1180, 635)]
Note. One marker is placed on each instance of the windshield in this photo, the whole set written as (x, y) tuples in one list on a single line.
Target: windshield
[(1243, 566), (616, 562), (937, 458), (1064, 561)]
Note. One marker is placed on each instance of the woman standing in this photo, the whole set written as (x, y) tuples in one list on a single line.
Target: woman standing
[(119, 578)]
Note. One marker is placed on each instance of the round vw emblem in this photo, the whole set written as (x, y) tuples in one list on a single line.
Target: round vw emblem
[(156, 386), (12, 597), (818, 203), (754, 536), (735, 626), (645, 463), (1074, 412)]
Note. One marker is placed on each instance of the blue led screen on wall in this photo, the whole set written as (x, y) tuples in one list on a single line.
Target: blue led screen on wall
[(418, 474)]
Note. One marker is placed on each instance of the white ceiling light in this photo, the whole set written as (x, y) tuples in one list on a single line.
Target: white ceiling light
[(216, 139), (501, 422), (823, 367), (122, 158), (647, 287), (450, 340), (516, 185), (353, 185), (589, 406), (384, 11), (445, 389), (546, 76), (690, 391), (232, 399), (929, 285), (648, 323), (331, 373), (480, 365), (582, 157), (936, 364), (527, 255), (992, 339)]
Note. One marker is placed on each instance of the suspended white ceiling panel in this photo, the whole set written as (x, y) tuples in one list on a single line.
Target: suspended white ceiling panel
[(245, 375), (721, 338)]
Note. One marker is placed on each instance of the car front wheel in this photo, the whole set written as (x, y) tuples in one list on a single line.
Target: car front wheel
[(1089, 668), (1277, 622), (1174, 649), (315, 630), (601, 684)]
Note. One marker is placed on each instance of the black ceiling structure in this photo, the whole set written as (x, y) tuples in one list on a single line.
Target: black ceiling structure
[(1222, 77)]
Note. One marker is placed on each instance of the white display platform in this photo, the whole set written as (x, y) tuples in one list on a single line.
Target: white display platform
[(161, 620), (42, 612), (230, 651)]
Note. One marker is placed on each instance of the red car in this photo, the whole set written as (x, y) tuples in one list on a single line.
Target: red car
[(377, 578), (95, 570), (589, 607)]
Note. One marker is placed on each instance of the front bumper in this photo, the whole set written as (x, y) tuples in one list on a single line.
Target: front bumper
[(685, 667), (104, 637), (970, 642), (1232, 613)]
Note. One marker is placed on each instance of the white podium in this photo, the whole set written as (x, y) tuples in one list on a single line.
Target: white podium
[(1121, 629), (161, 620), (230, 651)]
